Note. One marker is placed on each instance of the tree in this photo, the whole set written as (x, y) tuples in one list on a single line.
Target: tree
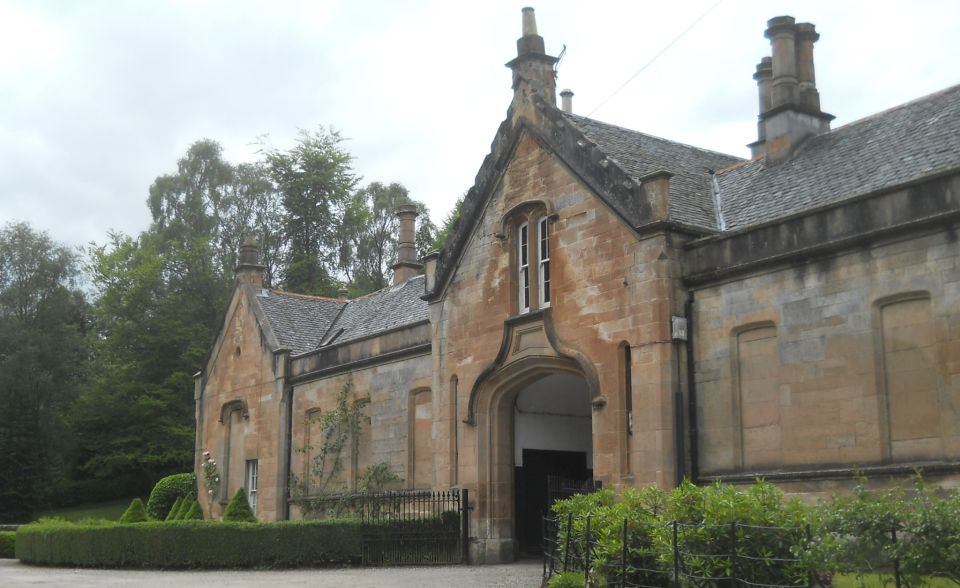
[(449, 223), (369, 232), (315, 181), (42, 350)]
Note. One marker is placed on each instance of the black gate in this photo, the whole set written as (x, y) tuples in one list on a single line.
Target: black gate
[(415, 528)]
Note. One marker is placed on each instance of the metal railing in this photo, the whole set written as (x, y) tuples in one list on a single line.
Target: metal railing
[(415, 527), (648, 555)]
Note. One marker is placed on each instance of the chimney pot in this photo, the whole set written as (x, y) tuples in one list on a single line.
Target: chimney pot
[(566, 97), (529, 21), (342, 294)]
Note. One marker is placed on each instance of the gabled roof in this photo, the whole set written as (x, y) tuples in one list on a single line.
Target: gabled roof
[(384, 310), (298, 321), (589, 148), (639, 155), (303, 322), (908, 142)]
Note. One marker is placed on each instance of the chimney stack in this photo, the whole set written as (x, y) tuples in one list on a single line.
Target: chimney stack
[(407, 265), (789, 101), (566, 99), (249, 270), (533, 68)]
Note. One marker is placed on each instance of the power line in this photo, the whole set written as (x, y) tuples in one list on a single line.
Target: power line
[(655, 57)]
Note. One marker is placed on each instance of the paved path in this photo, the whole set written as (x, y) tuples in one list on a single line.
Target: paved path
[(525, 574)]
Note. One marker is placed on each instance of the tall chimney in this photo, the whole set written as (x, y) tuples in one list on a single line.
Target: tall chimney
[(566, 99), (407, 265), (249, 270), (806, 36), (533, 68), (789, 101), (764, 78)]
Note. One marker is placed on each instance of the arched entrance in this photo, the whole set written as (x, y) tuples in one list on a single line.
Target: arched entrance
[(553, 450), (533, 419)]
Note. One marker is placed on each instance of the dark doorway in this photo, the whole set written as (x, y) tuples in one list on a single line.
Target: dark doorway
[(532, 496)]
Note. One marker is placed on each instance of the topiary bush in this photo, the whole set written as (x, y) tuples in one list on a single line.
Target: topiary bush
[(166, 492), (195, 513), (7, 542), (174, 510), (238, 511), (183, 509), (135, 513)]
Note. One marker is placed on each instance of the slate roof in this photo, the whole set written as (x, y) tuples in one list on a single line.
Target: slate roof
[(383, 310), (910, 141), (299, 321), (639, 154)]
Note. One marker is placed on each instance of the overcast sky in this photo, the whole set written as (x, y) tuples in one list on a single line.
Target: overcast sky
[(97, 98)]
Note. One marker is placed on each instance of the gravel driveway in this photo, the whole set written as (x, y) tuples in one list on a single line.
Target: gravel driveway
[(525, 574)]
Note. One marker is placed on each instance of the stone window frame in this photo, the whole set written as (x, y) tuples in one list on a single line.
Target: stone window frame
[(529, 215), (226, 418), (310, 416), (735, 385), (411, 432), (880, 376)]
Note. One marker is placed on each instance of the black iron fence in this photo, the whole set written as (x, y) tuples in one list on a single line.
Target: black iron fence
[(674, 554), (404, 528)]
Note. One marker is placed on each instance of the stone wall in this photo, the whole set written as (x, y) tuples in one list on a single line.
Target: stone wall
[(608, 288), (391, 388), (848, 360), (239, 407)]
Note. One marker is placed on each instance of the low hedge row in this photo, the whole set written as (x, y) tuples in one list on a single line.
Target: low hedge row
[(7, 539), (191, 544)]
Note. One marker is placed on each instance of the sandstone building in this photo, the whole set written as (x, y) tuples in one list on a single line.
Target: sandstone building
[(623, 307)]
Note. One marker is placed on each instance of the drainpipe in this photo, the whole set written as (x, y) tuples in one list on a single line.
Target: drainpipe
[(691, 391), (678, 434)]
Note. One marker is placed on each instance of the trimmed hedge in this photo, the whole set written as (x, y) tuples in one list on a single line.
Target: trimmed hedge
[(191, 544), (7, 541), (166, 492)]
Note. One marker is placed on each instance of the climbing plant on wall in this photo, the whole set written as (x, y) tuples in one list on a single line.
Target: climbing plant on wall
[(340, 430)]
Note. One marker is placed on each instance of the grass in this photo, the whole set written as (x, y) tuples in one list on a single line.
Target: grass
[(883, 581), (111, 510)]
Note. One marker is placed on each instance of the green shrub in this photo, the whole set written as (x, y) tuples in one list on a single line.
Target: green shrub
[(7, 541), (166, 492), (238, 511), (172, 515), (710, 521), (184, 508), (195, 513), (191, 544), (567, 580), (857, 532), (135, 513)]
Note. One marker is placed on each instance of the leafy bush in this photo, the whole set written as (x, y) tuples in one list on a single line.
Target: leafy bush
[(7, 541), (174, 510), (195, 513), (567, 580), (190, 544), (166, 492), (238, 511), (135, 513), (710, 523), (869, 530), (184, 509)]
